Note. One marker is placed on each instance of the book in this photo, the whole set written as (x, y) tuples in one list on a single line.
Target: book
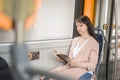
[(63, 57)]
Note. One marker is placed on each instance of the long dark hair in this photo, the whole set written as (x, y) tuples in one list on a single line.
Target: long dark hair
[(86, 20)]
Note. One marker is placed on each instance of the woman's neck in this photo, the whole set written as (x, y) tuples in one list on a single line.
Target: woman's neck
[(85, 36)]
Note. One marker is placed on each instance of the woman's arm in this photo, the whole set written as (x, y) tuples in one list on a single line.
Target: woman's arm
[(89, 65)]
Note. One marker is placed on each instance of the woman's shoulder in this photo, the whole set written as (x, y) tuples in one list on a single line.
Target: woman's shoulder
[(93, 41), (76, 38)]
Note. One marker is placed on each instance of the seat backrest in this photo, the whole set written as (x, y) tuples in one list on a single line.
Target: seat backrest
[(3, 63), (100, 39), (5, 73)]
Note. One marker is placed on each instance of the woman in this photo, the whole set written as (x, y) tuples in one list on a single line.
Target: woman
[(83, 52)]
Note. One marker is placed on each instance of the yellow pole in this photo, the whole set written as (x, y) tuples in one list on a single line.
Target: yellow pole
[(89, 7), (1, 5), (5, 21)]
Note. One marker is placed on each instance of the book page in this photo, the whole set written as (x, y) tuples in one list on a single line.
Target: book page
[(63, 57)]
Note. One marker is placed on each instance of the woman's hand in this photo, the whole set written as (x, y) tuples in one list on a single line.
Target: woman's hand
[(74, 63), (71, 62)]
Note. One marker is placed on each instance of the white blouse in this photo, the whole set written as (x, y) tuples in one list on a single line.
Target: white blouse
[(78, 48)]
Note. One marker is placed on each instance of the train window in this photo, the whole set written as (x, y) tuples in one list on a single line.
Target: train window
[(54, 20)]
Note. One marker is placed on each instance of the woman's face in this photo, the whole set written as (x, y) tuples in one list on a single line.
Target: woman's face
[(81, 28)]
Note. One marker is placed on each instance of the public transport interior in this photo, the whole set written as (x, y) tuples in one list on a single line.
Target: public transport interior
[(29, 29)]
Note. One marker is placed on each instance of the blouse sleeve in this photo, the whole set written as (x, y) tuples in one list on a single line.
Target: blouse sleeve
[(93, 58)]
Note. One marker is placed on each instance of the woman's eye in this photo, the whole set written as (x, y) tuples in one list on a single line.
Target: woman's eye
[(81, 25), (77, 26)]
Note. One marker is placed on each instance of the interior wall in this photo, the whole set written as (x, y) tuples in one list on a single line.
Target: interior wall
[(54, 20)]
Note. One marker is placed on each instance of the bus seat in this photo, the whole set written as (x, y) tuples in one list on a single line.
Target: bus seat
[(100, 41), (5, 73)]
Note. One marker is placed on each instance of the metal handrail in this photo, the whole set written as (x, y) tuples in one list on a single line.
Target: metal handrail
[(116, 3)]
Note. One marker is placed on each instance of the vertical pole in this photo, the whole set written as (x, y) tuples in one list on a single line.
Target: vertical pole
[(89, 7), (116, 8), (109, 31), (19, 55)]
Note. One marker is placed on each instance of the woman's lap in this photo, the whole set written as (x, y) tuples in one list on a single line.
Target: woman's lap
[(63, 70), (58, 69)]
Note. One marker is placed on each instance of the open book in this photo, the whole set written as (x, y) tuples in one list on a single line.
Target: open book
[(63, 57)]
